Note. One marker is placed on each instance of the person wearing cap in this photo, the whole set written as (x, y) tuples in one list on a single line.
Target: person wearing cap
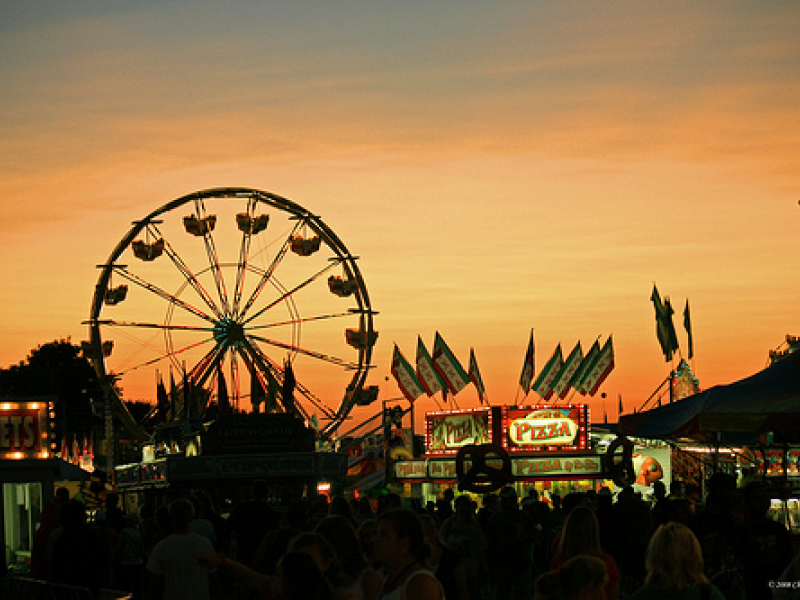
[(510, 533)]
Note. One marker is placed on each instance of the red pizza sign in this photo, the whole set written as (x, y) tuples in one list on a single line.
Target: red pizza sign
[(532, 428)]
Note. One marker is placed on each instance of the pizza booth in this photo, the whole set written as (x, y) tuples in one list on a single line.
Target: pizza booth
[(544, 447)]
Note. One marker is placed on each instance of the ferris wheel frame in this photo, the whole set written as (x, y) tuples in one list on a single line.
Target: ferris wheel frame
[(229, 320)]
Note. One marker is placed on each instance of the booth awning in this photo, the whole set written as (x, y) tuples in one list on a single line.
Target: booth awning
[(768, 401)]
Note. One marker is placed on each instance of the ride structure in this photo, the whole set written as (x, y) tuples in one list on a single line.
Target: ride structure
[(227, 295)]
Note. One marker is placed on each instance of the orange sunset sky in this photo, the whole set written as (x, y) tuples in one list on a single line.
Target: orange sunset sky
[(497, 167)]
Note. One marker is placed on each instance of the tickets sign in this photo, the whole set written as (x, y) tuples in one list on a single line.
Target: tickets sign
[(24, 430), (545, 428)]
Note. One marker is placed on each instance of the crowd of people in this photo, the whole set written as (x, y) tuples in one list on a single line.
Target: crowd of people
[(580, 547)]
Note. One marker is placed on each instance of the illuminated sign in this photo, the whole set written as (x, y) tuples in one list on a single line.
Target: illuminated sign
[(24, 430), (570, 466), (449, 431), (588, 467), (539, 428)]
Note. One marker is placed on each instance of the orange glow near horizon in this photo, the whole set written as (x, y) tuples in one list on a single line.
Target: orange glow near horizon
[(494, 168)]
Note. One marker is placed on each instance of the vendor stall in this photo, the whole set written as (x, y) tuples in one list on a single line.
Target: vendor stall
[(547, 448)]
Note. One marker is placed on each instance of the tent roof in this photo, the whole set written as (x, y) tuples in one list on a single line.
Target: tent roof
[(766, 401)]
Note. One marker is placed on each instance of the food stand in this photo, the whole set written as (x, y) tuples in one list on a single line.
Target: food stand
[(548, 447)]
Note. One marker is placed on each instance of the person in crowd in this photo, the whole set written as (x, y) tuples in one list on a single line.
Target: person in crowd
[(339, 506), (764, 545), (389, 501), (715, 529), (366, 539), (674, 566), (276, 541), (48, 523), (464, 535), (400, 547), (582, 577), (175, 573), (490, 505), (364, 511), (581, 536), (635, 513), (358, 578), (250, 520), (297, 577), (81, 554), (207, 520), (444, 505), (510, 534), (444, 562), (129, 556)]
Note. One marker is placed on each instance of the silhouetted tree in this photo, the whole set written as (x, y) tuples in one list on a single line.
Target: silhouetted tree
[(57, 369)]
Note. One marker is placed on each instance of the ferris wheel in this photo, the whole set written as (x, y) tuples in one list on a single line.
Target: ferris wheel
[(244, 297)]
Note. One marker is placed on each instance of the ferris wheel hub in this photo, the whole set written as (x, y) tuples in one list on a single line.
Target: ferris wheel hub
[(229, 332)]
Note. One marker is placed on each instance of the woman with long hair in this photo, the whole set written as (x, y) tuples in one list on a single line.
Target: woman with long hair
[(581, 536), (400, 547), (581, 578), (674, 566)]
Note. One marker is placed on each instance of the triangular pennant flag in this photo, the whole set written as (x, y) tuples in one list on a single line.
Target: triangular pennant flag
[(76, 451), (91, 444), (257, 393), (287, 390), (85, 445), (602, 366), (173, 395), (543, 383), (564, 376), (475, 376), (223, 401), (586, 365), (162, 400), (687, 324), (526, 377), (427, 375), (406, 377), (64, 448), (448, 367)]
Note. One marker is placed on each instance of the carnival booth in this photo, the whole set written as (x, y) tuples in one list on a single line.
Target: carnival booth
[(750, 427), (225, 457), (546, 447), (29, 472)]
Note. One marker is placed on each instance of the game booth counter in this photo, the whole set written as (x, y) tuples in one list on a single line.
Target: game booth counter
[(544, 447), (30, 472)]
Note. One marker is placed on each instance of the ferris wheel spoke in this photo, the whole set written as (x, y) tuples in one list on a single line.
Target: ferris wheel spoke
[(333, 263), (163, 326), (241, 270), (164, 295), (313, 354), (165, 356), (213, 261), (300, 320), (268, 272), (235, 382), (187, 274), (206, 366)]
